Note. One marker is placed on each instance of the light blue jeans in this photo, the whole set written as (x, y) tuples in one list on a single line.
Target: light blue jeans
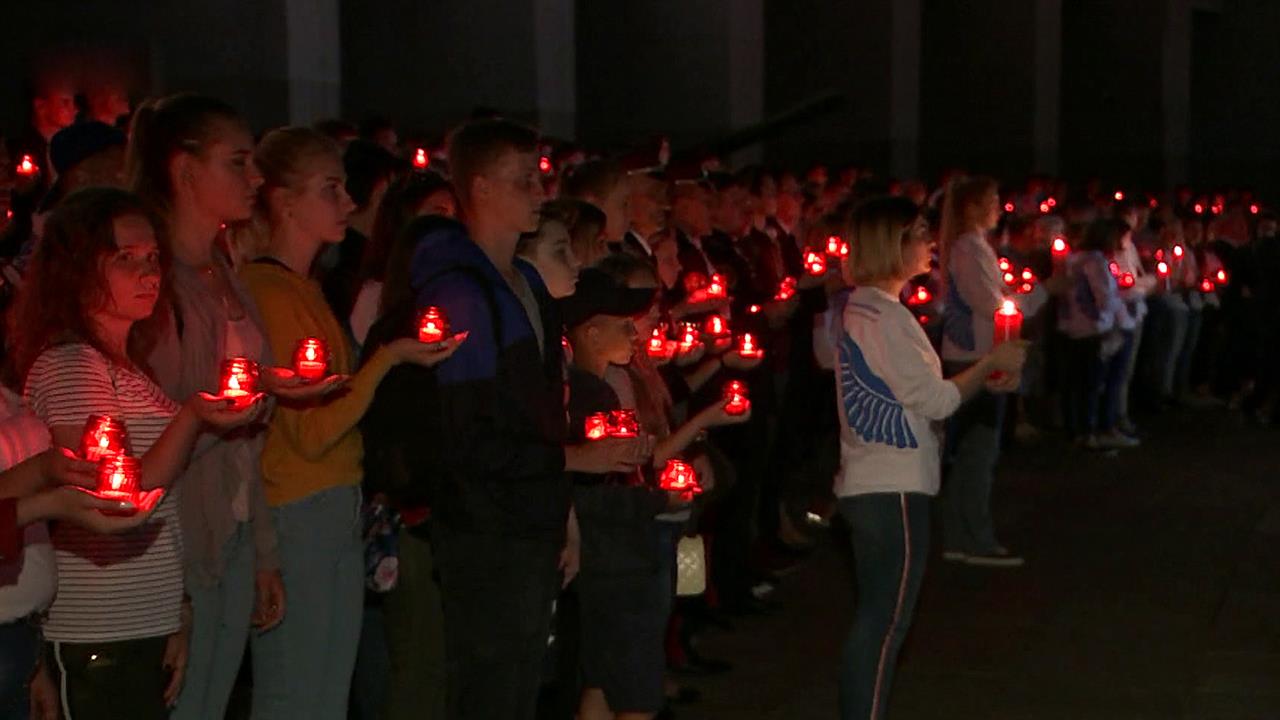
[(219, 631), (302, 668)]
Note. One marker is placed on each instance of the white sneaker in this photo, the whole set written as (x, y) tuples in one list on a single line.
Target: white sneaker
[(995, 560), (1116, 440)]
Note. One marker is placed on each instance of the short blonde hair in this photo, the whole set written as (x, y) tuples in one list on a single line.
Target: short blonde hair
[(876, 237)]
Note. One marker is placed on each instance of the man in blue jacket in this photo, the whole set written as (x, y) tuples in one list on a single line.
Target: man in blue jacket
[(501, 504)]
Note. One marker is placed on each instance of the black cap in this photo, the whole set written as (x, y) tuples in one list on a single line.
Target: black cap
[(74, 144), (599, 294)]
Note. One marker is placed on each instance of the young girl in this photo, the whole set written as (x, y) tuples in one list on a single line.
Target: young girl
[(1099, 331), (115, 622), (892, 398), (311, 461), (974, 292)]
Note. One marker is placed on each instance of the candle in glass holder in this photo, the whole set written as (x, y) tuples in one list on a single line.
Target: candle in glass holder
[(239, 381), (622, 424), (1221, 277), (836, 247), (103, 435), (119, 477), (657, 347), (748, 347), (786, 289), (920, 296), (1005, 265), (1008, 322), (1126, 280), (420, 159), (1206, 285), (597, 426), (679, 476), (1059, 248), (716, 326), (433, 326), (688, 337), (736, 400), (310, 359), (814, 264), (716, 287), (693, 282), (27, 167), (1178, 252)]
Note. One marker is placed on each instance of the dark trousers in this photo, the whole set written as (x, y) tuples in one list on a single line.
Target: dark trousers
[(19, 649), (497, 594), (1081, 385), (973, 448), (122, 680), (890, 534)]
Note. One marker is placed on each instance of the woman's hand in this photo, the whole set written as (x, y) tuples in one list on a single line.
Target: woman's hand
[(223, 413), (1004, 383), (283, 382), (44, 703), (715, 416), (1009, 357), (269, 598), (735, 361), (609, 455), (693, 356), (411, 350), (175, 658), (73, 504), (61, 466)]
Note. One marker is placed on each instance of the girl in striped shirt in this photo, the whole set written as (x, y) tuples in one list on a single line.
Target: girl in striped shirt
[(114, 630)]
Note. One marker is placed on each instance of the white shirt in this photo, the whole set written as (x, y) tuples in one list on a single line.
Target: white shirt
[(27, 583), (1092, 305), (975, 291), (891, 399), (1128, 261)]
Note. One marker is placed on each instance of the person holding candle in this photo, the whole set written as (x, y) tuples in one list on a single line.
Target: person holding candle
[(501, 503), (1134, 213), (892, 396), (311, 462), (620, 587), (190, 158), (81, 356), (1099, 330), (974, 292)]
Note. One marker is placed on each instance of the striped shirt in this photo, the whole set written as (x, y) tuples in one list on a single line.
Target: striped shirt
[(110, 587)]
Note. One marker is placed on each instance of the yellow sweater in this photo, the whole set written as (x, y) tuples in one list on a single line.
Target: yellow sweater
[(316, 446)]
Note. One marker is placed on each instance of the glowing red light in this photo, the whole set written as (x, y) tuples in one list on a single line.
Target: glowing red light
[(1199, 208), (1005, 265), (1254, 209), (786, 289), (1153, 203), (420, 159), (623, 424), (1045, 207), (239, 381), (1119, 195), (597, 426), (921, 296), (1060, 247), (1162, 269), (310, 359), (1010, 279), (679, 476), (814, 264), (716, 287), (749, 348), (1127, 280), (716, 326), (1051, 202), (119, 477), (1027, 275), (1177, 252), (1114, 267), (924, 319), (544, 165), (1222, 277), (1008, 322), (433, 326), (753, 309), (1008, 207), (103, 435), (736, 398), (27, 166), (1206, 285)]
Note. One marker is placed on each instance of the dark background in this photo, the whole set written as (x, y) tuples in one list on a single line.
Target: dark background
[(1139, 92)]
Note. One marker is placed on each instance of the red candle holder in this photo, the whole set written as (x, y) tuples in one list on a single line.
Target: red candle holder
[(420, 159), (1178, 252), (657, 347), (1008, 322), (814, 264), (1206, 286), (27, 167), (119, 478), (1005, 265), (920, 296), (597, 426), (736, 399), (748, 347), (622, 424), (1126, 281), (836, 247), (239, 381), (1221, 277), (311, 359), (433, 326), (1162, 269), (716, 326), (753, 309), (786, 289), (693, 282), (716, 287), (688, 337), (103, 435), (679, 476)]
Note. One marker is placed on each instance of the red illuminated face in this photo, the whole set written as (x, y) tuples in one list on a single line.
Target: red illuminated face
[(510, 191), (554, 259), (132, 273), (56, 108), (221, 180), (320, 206)]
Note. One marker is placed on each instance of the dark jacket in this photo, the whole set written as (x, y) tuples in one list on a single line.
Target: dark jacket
[(480, 437), (616, 514)]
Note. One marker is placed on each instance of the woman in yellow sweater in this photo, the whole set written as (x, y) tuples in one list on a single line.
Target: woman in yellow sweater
[(311, 464)]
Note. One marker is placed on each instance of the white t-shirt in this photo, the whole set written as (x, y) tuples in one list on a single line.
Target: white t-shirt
[(28, 582), (891, 399), (126, 586)]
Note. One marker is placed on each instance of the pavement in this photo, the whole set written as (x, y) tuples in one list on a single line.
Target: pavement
[(1151, 590)]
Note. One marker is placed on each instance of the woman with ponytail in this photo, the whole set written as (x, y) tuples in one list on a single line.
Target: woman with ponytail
[(190, 159), (974, 291)]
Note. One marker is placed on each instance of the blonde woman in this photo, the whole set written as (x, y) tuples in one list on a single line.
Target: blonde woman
[(892, 399)]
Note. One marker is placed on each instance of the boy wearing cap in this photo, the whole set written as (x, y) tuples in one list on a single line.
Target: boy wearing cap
[(620, 590)]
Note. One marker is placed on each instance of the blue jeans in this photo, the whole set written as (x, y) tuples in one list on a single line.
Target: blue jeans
[(302, 668), (1114, 386), (890, 533), (973, 448), (219, 631), (19, 648)]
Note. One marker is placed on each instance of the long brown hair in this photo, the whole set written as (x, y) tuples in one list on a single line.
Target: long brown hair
[(65, 283), (961, 193), (164, 128)]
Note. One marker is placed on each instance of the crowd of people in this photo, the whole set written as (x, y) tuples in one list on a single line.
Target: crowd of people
[(576, 409)]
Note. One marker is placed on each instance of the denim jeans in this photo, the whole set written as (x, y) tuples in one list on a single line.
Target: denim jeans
[(19, 648), (973, 447), (302, 667), (890, 535), (1114, 387), (219, 632)]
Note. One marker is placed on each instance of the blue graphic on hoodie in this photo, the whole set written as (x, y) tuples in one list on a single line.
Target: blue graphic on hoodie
[(957, 320), (873, 411)]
